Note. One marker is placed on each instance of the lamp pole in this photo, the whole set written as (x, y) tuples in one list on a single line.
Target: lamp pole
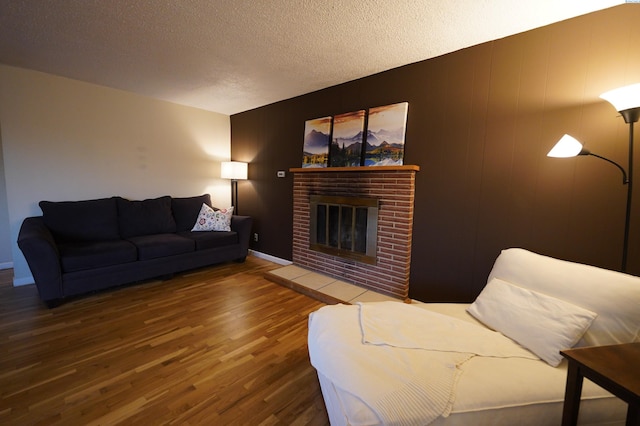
[(234, 195), (630, 117), (627, 219)]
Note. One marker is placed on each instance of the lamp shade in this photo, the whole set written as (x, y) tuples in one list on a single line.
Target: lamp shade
[(567, 146), (623, 98), (234, 170)]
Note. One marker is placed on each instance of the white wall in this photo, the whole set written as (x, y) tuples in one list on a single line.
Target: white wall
[(64, 139), (5, 239)]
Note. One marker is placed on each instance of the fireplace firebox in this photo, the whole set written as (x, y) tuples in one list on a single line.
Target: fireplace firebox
[(344, 226)]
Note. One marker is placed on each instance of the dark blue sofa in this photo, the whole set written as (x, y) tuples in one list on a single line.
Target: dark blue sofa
[(77, 247)]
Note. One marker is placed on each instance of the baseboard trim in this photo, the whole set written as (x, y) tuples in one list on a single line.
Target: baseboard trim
[(17, 282), (270, 258), (6, 265)]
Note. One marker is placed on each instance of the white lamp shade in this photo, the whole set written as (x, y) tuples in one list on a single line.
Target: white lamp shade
[(234, 170), (567, 146), (623, 98)]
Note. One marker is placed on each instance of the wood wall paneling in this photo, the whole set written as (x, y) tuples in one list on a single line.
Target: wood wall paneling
[(480, 123)]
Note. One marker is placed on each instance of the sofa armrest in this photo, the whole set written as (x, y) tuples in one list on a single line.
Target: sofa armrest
[(242, 225), (41, 252)]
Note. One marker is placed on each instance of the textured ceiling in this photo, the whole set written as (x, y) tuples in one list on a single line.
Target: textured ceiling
[(230, 56)]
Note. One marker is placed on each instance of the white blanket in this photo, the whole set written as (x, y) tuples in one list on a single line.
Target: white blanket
[(407, 359), (407, 326)]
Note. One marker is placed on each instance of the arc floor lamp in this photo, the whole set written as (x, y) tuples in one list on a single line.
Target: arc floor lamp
[(626, 100), (234, 170)]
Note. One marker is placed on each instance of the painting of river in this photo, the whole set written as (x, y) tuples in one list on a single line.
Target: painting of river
[(385, 135)]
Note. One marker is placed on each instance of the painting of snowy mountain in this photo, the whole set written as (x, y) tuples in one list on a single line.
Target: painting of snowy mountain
[(346, 144), (385, 135), (317, 134)]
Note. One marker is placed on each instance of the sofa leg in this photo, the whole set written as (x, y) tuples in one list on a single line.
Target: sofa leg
[(241, 259), (53, 303)]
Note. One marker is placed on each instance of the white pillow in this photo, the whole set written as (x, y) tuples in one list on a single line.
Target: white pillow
[(542, 324), (213, 220), (614, 296)]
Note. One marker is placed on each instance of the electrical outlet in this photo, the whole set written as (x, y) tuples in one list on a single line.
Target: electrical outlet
[(255, 237)]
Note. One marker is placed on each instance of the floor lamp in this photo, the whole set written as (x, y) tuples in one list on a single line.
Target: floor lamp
[(234, 170), (626, 100)]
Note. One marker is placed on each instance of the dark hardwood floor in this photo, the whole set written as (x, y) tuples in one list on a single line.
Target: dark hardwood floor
[(216, 346)]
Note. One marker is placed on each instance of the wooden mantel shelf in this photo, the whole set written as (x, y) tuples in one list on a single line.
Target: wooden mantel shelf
[(355, 169)]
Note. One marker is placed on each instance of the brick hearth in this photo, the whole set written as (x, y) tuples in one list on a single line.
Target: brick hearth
[(394, 187)]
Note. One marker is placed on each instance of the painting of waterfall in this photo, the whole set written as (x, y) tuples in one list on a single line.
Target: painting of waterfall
[(317, 134), (385, 135)]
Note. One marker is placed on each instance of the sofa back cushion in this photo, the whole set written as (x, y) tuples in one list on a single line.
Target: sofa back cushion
[(613, 296), (185, 210), (146, 217), (88, 220)]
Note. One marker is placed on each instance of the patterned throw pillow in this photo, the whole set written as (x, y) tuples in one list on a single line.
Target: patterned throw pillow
[(213, 220)]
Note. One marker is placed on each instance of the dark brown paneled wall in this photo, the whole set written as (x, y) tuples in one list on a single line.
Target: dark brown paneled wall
[(480, 123)]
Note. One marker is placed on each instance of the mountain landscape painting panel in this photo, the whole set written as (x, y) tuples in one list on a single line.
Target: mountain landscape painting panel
[(346, 143), (386, 129), (317, 134)]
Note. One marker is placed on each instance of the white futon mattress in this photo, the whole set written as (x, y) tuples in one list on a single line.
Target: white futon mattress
[(488, 390)]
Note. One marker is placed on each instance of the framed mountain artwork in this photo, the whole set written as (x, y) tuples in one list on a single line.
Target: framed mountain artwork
[(386, 129), (317, 134), (347, 138)]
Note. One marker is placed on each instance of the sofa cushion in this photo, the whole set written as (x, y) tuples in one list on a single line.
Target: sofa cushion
[(146, 217), (208, 240), (88, 220), (79, 256), (185, 210), (161, 245)]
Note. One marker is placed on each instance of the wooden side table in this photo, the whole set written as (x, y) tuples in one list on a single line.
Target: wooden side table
[(616, 368)]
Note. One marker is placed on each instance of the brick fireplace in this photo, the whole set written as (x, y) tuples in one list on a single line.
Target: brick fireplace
[(394, 188)]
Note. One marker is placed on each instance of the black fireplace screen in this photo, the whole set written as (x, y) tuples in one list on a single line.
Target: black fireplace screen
[(344, 226)]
